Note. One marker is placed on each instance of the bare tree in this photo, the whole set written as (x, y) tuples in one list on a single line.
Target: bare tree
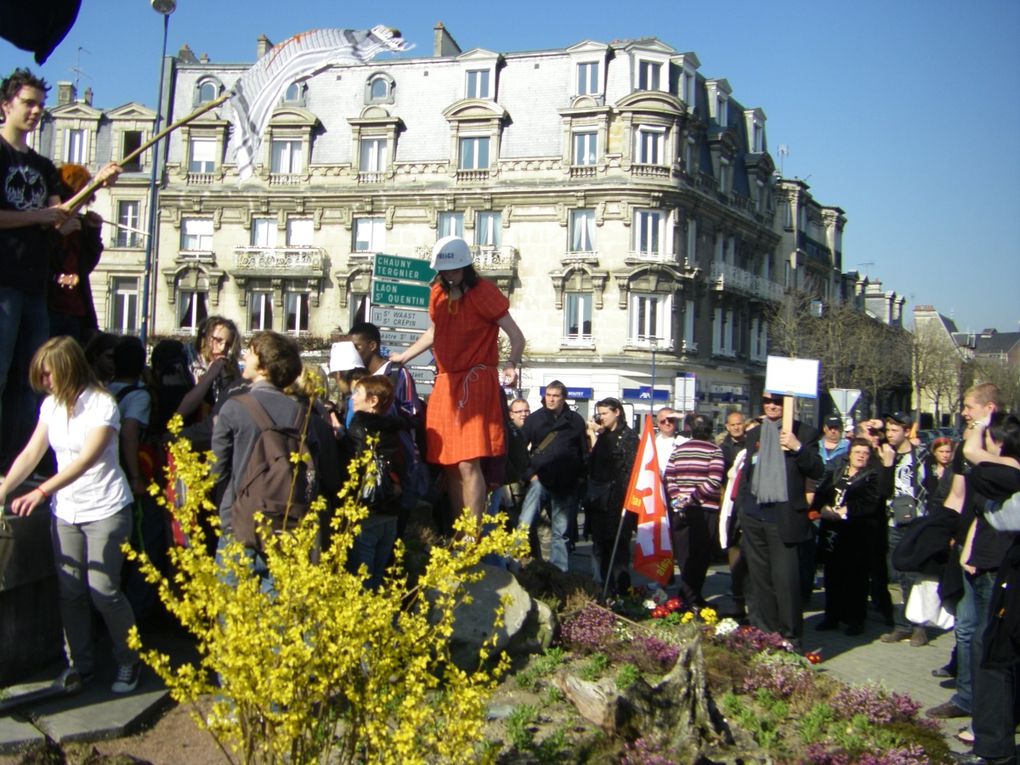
[(937, 369)]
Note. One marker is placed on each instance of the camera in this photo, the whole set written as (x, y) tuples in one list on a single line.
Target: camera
[(597, 418)]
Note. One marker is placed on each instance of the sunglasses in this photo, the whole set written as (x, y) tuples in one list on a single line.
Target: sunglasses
[(667, 422), (775, 401)]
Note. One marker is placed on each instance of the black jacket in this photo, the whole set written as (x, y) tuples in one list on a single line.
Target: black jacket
[(791, 516), (558, 448)]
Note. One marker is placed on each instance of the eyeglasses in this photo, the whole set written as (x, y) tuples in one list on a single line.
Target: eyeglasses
[(773, 401), (667, 422)]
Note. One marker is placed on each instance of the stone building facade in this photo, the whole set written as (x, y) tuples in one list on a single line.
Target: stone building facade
[(625, 200)]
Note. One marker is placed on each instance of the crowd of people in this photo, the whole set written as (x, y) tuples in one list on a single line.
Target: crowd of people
[(873, 508)]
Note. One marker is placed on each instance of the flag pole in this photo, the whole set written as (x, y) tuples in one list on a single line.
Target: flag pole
[(612, 555), (79, 199)]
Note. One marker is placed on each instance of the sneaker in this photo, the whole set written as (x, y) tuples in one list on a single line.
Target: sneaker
[(127, 677), (898, 634), (919, 637), (72, 680)]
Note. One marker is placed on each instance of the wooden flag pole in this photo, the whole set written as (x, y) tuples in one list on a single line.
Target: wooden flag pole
[(79, 199), (788, 413)]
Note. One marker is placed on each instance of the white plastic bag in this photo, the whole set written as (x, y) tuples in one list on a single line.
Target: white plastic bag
[(925, 607)]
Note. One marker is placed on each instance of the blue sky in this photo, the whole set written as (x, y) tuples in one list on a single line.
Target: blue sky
[(905, 113)]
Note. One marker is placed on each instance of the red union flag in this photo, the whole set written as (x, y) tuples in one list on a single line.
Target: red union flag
[(653, 556)]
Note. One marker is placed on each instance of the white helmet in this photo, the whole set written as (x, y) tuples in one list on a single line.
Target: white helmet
[(451, 252)]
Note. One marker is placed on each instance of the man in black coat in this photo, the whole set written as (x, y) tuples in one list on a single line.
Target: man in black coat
[(558, 439), (774, 517)]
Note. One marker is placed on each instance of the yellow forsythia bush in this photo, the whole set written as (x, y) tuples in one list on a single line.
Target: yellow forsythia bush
[(322, 668)]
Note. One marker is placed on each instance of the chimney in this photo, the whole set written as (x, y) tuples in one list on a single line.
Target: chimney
[(443, 43), (66, 93), (186, 56), (88, 96), (262, 46), (204, 58)]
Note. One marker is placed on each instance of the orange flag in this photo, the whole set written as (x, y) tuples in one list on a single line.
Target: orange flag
[(653, 556)]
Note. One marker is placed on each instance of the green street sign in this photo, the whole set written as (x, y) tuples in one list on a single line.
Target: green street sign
[(402, 269), (400, 295)]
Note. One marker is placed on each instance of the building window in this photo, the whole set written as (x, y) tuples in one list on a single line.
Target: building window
[(721, 110), (725, 175), (474, 153), (757, 137), (197, 234), (586, 148), (124, 305), (207, 91), (263, 232), (689, 326), (577, 317), (296, 308), (286, 157), (687, 89), (295, 93), (478, 83), (648, 232), (132, 141), (582, 231), (76, 146), (450, 224), (369, 234), (588, 78), (300, 232), (692, 241), (202, 155), (648, 75), (192, 309), (379, 89), (373, 155), (690, 155), (260, 310), (650, 146), (722, 331), (488, 229), (650, 319), (128, 218)]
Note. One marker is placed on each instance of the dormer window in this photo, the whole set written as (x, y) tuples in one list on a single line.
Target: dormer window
[(755, 121), (207, 90), (295, 95), (649, 74), (477, 84), (718, 101), (588, 78), (76, 146), (379, 89)]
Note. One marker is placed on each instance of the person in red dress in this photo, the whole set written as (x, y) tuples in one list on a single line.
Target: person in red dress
[(465, 416)]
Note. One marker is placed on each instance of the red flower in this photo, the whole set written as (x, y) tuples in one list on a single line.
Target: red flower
[(814, 657), (674, 604)]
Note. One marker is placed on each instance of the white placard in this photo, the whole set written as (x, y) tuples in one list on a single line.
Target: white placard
[(792, 377)]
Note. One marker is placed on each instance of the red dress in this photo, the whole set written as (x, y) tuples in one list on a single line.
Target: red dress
[(464, 420)]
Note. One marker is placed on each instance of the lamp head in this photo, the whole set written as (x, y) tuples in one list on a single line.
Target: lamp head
[(165, 7)]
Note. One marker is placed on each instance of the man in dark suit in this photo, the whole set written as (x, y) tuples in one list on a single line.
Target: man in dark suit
[(773, 515)]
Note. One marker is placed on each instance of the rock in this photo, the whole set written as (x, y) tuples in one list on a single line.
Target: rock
[(538, 631), (473, 622)]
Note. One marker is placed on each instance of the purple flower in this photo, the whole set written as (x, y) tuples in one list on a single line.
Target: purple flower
[(589, 629)]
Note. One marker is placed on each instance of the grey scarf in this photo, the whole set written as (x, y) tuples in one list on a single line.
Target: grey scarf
[(768, 484)]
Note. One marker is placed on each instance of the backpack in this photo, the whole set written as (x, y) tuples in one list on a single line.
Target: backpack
[(150, 452), (409, 405), (268, 479)]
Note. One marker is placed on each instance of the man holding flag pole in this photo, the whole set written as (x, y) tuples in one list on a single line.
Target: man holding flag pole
[(645, 498)]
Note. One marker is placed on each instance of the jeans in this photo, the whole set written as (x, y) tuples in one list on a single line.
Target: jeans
[(563, 505), (969, 620), (373, 547), (992, 689), (24, 326), (89, 561)]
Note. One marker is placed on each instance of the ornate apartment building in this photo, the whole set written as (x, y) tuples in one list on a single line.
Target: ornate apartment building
[(623, 199)]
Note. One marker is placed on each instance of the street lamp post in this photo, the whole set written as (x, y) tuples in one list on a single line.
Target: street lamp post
[(165, 8)]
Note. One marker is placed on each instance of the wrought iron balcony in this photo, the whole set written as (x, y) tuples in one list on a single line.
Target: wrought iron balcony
[(270, 259), (724, 276)]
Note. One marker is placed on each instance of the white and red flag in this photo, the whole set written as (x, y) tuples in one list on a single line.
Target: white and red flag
[(653, 556), (259, 90)]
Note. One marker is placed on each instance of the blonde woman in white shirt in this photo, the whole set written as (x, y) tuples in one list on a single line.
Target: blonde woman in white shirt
[(91, 506)]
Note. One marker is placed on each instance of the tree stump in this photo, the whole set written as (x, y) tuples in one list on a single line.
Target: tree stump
[(676, 710)]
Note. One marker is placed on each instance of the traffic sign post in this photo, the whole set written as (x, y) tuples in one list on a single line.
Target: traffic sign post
[(414, 320), (400, 294), (402, 269)]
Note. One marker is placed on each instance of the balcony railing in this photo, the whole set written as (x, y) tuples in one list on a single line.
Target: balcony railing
[(582, 171), (649, 171), (727, 277), (489, 257), (286, 179), (278, 258), (653, 257), (473, 176), (196, 256), (372, 177), (201, 179)]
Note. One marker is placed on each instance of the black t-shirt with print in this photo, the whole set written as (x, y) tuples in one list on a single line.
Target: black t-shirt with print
[(27, 181)]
